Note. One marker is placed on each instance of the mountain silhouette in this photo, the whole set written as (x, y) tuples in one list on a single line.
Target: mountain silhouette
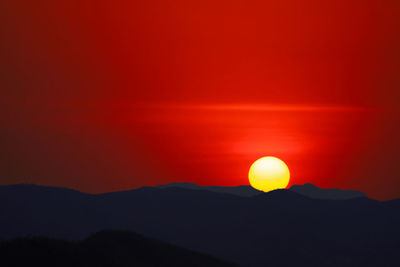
[(106, 248), (279, 228), (313, 191), (308, 190), (241, 190)]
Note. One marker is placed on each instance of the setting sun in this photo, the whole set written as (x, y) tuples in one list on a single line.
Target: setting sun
[(269, 173)]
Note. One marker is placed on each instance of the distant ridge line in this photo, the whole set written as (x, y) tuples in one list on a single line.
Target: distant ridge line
[(308, 190)]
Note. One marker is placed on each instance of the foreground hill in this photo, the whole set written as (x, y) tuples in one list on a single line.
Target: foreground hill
[(280, 228), (107, 248)]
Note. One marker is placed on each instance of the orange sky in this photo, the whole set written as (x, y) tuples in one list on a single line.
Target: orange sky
[(110, 95)]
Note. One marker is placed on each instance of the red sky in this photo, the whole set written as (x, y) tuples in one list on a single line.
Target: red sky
[(111, 95)]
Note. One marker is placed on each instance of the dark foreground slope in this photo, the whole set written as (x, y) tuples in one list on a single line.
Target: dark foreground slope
[(106, 248), (280, 228)]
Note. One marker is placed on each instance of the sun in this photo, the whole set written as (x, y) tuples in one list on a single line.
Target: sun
[(269, 173)]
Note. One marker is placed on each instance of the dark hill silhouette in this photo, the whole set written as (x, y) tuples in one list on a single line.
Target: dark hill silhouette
[(280, 228), (106, 248), (308, 190), (313, 191), (241, 190)]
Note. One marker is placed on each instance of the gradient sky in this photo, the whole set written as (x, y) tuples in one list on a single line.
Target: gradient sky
[(111, 95)]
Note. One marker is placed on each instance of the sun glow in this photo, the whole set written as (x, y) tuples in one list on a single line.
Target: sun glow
[(269, 173)]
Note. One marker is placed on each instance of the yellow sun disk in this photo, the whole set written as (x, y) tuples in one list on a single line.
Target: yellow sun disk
[(269, 173)]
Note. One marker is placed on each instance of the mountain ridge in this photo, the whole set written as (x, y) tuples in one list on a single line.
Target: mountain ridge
[(307, 189), (230, 227), (314, 191)]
